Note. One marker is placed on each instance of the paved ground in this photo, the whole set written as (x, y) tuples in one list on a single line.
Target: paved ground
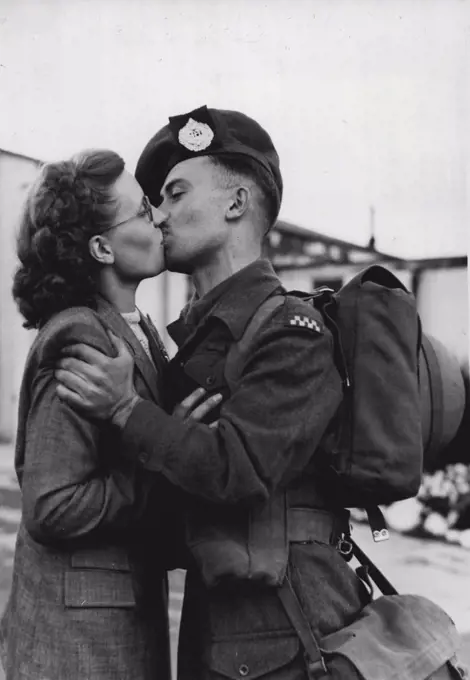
[(436, 570)]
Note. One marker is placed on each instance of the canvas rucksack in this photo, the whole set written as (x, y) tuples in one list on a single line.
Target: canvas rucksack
[(372, 453)]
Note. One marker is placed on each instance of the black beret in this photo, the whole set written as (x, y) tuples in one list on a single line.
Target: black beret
[(205, 132)]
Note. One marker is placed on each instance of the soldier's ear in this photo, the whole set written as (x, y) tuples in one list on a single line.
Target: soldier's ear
[(238, 203)]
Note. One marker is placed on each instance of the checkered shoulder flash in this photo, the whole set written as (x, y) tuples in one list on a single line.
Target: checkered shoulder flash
[(303, 315)]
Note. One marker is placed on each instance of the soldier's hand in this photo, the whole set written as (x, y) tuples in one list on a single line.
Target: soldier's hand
[(195, 406), (99, 385)]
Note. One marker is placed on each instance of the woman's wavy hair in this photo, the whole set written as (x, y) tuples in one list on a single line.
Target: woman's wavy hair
[(69, 203)]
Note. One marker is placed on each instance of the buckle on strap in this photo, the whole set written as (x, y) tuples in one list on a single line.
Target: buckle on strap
[(345, 547), (316, 669)]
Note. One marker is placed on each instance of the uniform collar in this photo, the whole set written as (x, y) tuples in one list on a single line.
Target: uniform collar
[(233, 301)]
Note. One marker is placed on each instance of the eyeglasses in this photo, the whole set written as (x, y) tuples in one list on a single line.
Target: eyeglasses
[(145, 211)]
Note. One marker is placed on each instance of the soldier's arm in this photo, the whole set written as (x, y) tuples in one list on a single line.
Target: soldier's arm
[(268, 429)]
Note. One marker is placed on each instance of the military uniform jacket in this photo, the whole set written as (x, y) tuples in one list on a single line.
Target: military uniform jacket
[(269, 427), (88, 600)]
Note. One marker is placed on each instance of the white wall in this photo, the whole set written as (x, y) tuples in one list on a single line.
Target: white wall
[(16, 174), (150, 299), (163, 298)]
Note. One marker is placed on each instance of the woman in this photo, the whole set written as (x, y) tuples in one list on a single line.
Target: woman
[(89, 596)]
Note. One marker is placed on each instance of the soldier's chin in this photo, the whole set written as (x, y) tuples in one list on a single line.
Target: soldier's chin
[(174, 264)]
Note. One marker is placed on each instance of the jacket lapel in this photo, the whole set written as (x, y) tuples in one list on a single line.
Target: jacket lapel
[(157, 348), (121, 328)]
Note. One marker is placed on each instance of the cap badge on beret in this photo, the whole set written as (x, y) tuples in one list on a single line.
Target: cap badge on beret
[(195, 136)]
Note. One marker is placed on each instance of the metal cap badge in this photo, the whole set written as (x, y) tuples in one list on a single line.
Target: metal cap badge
[(195, 136)]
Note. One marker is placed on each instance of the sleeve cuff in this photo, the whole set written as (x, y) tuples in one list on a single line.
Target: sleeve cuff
[(121, 416), (141, 425)]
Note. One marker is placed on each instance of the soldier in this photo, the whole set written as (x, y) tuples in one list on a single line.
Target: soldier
[(257, 515)]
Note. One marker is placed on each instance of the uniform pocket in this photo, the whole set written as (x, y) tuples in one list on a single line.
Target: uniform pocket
[(255, 657), (114, 559)]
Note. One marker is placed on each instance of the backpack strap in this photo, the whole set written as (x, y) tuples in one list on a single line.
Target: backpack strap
[(314, 659), (316, 667), (239, 351), (372, 570)]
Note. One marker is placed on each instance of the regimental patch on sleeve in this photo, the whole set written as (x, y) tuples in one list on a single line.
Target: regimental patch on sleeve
[(304, 321)]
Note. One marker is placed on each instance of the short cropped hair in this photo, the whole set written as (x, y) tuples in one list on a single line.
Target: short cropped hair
[(68, 204), (235, 166)]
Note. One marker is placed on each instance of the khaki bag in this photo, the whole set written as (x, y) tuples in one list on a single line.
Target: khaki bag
[(395, 637)]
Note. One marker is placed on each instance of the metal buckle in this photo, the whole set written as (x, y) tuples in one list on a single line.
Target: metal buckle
[(316, 669), (344, 546), (380, 535)]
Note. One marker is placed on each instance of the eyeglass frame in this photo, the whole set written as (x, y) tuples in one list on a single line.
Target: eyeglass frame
[(145, 211)]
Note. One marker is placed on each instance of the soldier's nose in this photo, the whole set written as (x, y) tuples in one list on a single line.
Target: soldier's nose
[(159, 217)]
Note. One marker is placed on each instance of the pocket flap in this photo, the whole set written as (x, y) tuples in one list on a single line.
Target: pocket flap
[(113, 558), (100, 588), (207, 370), (252, 658)]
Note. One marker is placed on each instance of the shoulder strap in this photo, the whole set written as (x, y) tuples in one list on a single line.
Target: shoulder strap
[(316, 668), (372, 570), (259, 317), (239, 350)]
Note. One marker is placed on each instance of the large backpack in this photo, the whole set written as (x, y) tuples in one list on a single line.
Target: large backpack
[(372, 453)]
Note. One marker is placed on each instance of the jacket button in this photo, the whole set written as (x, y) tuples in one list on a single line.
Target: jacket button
[(243, 670), (210, 380)]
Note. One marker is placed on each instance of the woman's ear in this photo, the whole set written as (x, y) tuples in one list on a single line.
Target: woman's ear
[(238, 203), (100, 249)]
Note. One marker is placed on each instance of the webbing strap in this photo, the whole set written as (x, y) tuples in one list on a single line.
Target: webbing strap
[(239, 350), (374, 572), (315, 662)]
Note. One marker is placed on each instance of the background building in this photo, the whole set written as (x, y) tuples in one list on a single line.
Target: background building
[(16, 174)]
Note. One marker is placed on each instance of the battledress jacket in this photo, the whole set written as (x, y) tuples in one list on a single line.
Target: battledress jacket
[(269, 427)]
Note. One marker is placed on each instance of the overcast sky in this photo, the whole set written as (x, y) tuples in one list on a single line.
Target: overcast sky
[(367, 101)]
